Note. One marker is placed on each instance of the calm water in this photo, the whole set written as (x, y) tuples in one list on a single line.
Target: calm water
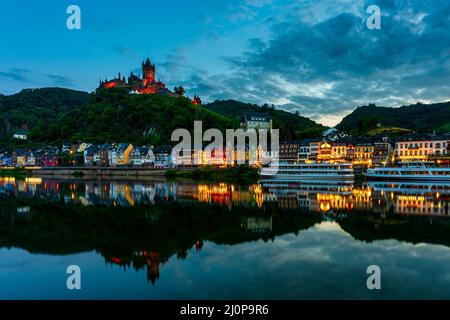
[(169, 240)]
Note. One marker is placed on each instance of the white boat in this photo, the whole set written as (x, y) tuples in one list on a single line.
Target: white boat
[(410, 171), (343, 187), (309, 172), (411, 187)]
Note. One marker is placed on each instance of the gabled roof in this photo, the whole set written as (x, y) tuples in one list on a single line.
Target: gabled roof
[(121, 147), (144, 149), (92, 149), (21, 132), (105, 146), (20, 152), (256, 116), (163, 149), (422, 137)]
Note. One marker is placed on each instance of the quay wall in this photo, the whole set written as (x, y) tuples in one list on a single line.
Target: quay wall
[(97, 172)]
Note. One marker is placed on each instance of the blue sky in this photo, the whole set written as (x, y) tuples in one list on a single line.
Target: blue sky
[(317, 57)]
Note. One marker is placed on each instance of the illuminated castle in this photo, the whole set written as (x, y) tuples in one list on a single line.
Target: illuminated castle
[(146, 85)]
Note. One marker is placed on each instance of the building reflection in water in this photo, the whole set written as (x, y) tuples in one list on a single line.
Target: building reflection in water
[(315, 196)]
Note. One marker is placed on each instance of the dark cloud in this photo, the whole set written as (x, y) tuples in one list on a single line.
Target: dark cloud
[(123, 50), (336, 63), (60, 80), (14, 74)]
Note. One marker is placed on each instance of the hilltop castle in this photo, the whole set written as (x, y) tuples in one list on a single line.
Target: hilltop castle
[(146, 85)]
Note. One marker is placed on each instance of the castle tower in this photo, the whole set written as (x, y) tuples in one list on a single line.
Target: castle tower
[(148, 72)]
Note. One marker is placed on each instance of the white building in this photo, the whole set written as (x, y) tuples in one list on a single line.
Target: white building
[(421, 147), (256, 121), (21, 135)]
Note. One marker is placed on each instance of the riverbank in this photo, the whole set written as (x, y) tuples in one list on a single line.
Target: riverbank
[(14, 172), (97, 172), (238, 175)]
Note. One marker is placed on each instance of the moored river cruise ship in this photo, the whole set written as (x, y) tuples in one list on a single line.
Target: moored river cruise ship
[(410, 171), (310, 171)]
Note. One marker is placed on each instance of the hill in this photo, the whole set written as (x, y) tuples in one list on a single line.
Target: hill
[(387, 131), (114, 116), (417, 117), (54, 115), (36, 107), (292, 126)]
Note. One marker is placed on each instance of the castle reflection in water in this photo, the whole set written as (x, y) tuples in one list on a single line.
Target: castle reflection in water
[(315, 196)]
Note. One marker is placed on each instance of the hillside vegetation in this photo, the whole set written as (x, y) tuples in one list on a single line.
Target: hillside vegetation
[(56, 115), (292, 126), (36, 107), (114, 115), (417, 117)]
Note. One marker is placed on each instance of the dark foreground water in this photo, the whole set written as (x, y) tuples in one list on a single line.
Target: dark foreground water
[(169, 240)]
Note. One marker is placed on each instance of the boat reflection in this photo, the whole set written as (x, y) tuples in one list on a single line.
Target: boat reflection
[(315, 196), (142, 224), (380, 197)]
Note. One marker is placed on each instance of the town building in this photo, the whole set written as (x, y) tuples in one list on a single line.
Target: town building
[(19, 157), (21, 135), (142, 156), (363, 153), (256, 121), (289, 151), (123, 151), (314, 147), (104, 154), (421, 147), (92, 155), (382, 154), (163, 157)]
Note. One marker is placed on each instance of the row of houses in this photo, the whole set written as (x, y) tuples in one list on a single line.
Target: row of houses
[(90, 155), (359, 151), (369, 151), (126, 154), (46, 157)]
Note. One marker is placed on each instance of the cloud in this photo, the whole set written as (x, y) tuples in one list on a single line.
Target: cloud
[(26, 77), (321, 262), (60, 80), (258, 3), (123, 50), (324, 61), (14, 74)]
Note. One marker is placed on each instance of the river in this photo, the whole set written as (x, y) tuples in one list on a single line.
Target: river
[(161, 239)]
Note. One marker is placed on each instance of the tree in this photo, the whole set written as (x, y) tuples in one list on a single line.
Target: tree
[(179, 90)]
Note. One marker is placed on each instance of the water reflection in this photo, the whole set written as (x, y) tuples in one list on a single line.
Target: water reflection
[(320, 196), (142, 225)]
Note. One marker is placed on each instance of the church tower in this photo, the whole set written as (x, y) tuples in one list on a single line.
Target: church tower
[(148, 72)]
